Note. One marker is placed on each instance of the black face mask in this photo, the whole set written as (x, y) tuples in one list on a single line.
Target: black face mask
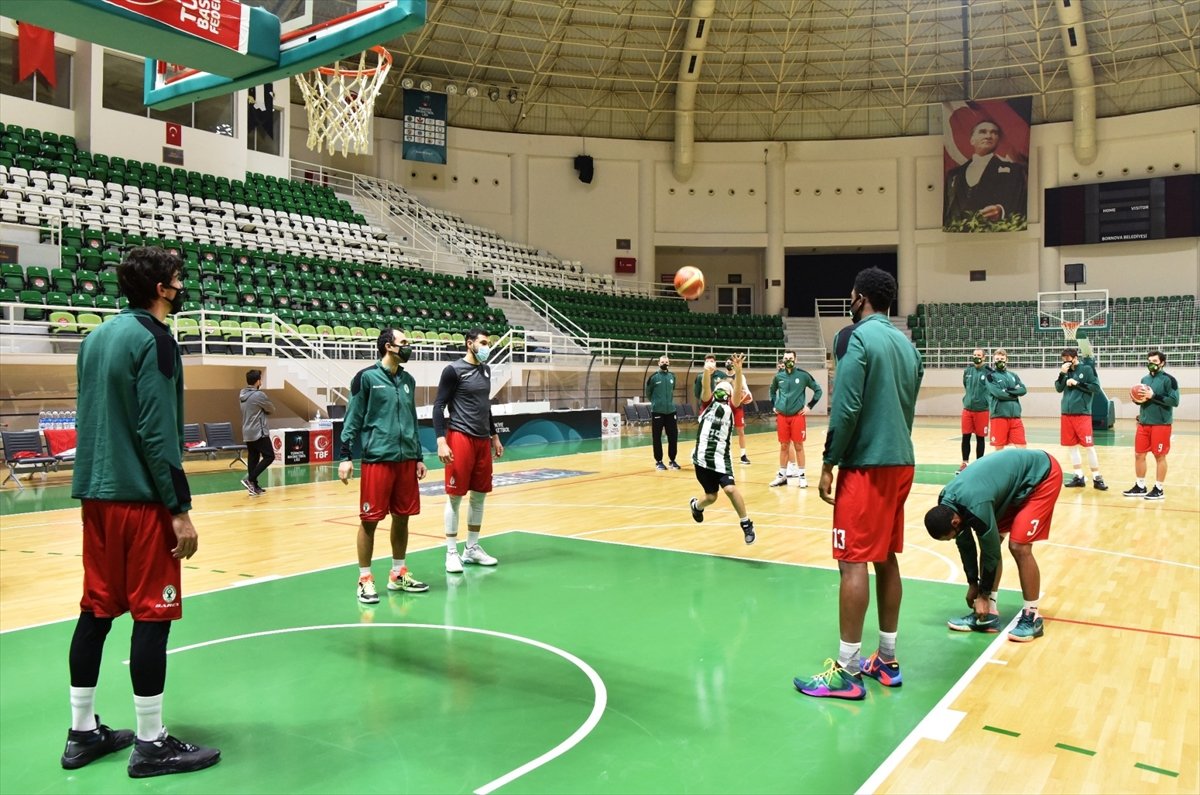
[(856, 314), (178, 301), (402, 352), (978, 360), (1153, 368), (1001, 366), (663, 367)]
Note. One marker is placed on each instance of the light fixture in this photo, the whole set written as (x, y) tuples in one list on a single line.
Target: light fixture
[(406, 82), (451, 88), (426, 85), (472, 91), (493, 93), (512, 95)]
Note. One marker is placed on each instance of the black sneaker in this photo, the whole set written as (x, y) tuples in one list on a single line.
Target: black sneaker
[(746, 460), (1136, 491), (259, 490), (659, 465), (85, 747), (1098, 484), (748, 531), (1155, 494), (697, 514), (1076, 483), (673, 465), (169, 755), (249, 487)]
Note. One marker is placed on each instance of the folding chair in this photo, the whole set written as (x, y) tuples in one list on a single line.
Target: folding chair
[(24, 450), (220, 436)]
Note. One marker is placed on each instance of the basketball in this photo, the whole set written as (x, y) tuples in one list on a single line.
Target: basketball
[(689, 282), (1140, 393)]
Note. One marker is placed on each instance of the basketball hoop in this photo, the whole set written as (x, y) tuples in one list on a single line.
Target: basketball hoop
[(340, 103), (1070, 328)]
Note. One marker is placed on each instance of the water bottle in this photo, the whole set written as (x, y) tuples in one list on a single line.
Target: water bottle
[(52, 421), (70, 420), (41, 420)]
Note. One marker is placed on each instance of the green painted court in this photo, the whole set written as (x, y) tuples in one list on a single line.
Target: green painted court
[(574, 666)]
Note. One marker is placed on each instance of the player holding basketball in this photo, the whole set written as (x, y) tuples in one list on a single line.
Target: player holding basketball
[(870, 440), (383, 414), (1154, 427), (739, 410), (1011, 494), (136, 521), (466, 447), (975, 407), (1004, 390), (712, 457), (1077, 383), (660, 391), (788, 390)]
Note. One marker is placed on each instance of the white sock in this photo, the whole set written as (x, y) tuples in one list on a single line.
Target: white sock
[(992, 606), (887, 645), (452, 543), (1031, 605), (1141, 483), (472, 538), (397, 565), (1158, 485), (83, 709), (800, 472), (743, 452), (149, 717), (364, 571), (848, 656)]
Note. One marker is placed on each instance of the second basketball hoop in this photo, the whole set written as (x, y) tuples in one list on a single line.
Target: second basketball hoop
[(341, 102)]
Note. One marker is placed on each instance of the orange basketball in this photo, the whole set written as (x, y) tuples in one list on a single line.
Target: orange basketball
[(1140, 393), (689, 282)]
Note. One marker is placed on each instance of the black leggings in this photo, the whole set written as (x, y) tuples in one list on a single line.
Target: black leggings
[(657, 423), (966, 447), (259, 456), (147, 653)]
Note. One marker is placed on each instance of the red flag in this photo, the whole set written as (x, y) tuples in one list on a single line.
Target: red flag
[(174, 134), (35, 52)]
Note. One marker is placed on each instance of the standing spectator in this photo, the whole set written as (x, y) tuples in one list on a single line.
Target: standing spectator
[(660, 391), (466, 447), (739, 410), (975, 407), (1154, 427), (788, 390), (136, 515), (255, 433), (383, 413), (702, 389), (1004, 389), (1077, 383), (870, 440), (712, 459)]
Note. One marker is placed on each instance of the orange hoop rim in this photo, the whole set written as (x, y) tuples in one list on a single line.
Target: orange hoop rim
[(385, 61), (1069, 327)]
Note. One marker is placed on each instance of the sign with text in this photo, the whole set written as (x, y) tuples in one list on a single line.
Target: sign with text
[(424, 127), (222, 22)]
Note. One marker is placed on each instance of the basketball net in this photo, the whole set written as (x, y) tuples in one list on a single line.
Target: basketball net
[(341, 102), (1070, 328)]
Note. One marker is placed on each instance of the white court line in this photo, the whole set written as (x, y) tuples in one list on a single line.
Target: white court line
[(1123, 555), (598, 705), (941, 720)]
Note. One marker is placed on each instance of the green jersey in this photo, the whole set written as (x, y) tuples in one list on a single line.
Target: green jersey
[(878, 374), (698, 387), (1004, 390), (712, 441), (788, 390), (129, 429), (1159, 409), (1077, 399), (383, 409), (975, 396), (660, 391), (985, 493)]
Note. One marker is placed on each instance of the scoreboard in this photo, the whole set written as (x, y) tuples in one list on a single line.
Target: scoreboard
[(1113, 212)]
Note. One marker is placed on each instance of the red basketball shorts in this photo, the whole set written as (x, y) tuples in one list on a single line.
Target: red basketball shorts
[(791, 428), (1031, 521), (1076, 429), (975, 422), (388, 487), (1153, 439), (868, 513), (127, 561), (471, 469), (1006, 431), (739, 417)]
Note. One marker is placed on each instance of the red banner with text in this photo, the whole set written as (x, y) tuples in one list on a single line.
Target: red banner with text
[(222, 22)]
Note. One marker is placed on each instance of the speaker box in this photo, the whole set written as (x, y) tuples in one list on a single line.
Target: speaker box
[(1075, 273), (583, 164)]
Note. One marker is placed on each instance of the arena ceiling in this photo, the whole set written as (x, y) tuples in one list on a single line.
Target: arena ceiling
[(785, 69)]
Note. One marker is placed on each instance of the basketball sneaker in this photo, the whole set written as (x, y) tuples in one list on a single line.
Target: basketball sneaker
[(1136, 491), (673, 465), (802, 482), (261, 491), (475, 554), (88, 746), (745, 460), (1029, 626), (748, 531), (403, 581), (780, 480), (1155, 494), (1076, 483), (833, 682), (249, 487), (697, 514), (168, 755), (883, 672), (660, 466), (366, 590), (971, 623), (453, 562), (1098, 484)]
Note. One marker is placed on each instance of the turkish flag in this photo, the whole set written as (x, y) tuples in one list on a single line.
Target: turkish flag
[(174, 134), (35, 52)]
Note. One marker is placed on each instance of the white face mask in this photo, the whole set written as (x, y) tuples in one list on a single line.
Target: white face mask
[(482, 353)]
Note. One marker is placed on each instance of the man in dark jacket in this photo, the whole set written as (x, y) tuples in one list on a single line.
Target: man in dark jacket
[(255, 433)]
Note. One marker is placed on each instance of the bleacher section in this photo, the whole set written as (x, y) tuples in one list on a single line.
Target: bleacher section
[(665, 319)]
